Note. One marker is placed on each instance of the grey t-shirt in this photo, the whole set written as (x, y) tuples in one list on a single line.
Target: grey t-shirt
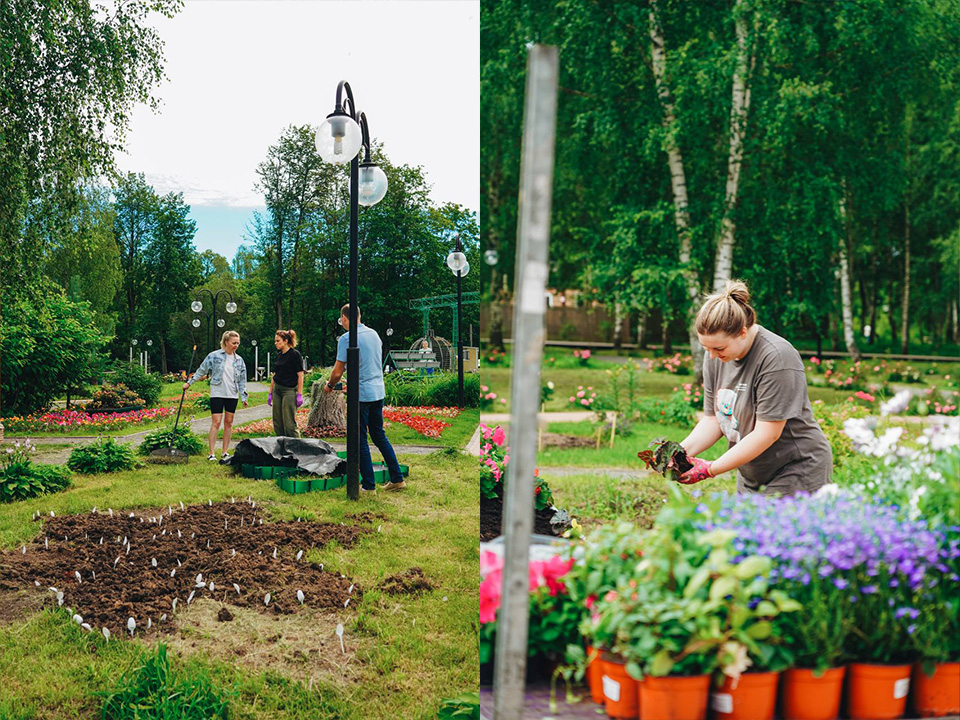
[(769, 384)]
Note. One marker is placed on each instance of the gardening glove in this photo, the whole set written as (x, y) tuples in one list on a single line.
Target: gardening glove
[(270, 399), (299, 399), (700, 471)]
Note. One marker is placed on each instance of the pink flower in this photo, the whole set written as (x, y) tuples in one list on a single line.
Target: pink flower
[(491, 566), (484, 388), (585, 355), (498, 436), (572, 399), (580, 393), (584, 402), (503, 401)]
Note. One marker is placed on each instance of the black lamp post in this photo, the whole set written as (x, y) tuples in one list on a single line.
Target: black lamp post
[(339, 140), (211, 315), (457, 262)]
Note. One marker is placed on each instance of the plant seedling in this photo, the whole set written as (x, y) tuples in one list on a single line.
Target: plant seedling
[(667, 458)]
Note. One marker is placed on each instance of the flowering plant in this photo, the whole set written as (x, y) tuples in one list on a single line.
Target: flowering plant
[(21, 478), (65, 420), (487, 397), (583, 356), (583, 398), (546, 392), (493, 457), (676, 364), (495, 357)]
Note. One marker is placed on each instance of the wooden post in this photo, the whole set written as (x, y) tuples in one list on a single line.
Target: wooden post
[(613, 430), (533, 237)]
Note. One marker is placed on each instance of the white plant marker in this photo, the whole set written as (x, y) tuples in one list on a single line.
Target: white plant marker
[(163, 617), (190, 596), (86, 626), (77, 575), (110, 510), (78, 620), (300, 596), (128, 549), (199, 578), (46, 543), (233, 553), (179, 535), (169, 510), (106, 633), (101, 539), (23, 550), (131, 625), (37, 583), (175, 604), (237, 588), (299, 554), (173, 572), (347, 602), (94, 573), (131, 514), (378, 527), (94, 511), (210, 503), (266, 599), (125, 541), (232, 500), (59, 599), (51, 514), (444, 598), (208, 544), (350, 590), (153, 561), (179, 563), (211, 587), (149, 623), (154, 537), (181, 504), (340, 635), (115, 562), (274, 553)]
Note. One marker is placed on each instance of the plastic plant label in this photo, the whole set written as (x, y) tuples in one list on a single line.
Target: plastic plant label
[(722, 702), (901, 688), (611, 689)]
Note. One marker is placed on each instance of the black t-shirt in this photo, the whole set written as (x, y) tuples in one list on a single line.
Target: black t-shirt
[(286, 367)]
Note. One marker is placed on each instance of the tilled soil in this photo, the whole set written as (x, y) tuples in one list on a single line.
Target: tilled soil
[(491, 517), (150, 564), (409, 582)]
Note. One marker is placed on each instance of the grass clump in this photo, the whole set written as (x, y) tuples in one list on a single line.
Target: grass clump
[(103, 457), (21, 478), (155, 691), (407, 389), (183, 439)]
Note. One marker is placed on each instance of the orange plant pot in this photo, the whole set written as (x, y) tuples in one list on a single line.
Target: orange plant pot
[(804, 696), (595, 676), (674, 698), (752, 697), (877, 692), (938, 695), (620, 698)]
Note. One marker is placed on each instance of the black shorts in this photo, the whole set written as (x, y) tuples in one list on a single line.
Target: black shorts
[(219, 405)]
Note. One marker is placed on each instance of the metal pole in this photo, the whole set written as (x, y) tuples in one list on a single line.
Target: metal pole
[(459, 334), (256, 363), (353, 351), (533, 236)]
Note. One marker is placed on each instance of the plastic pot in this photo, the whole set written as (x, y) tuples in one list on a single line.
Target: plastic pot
[(804, 696), (877, 692), (594, 675), (674, 698), (939, 694), (620, 698), (753, 696)]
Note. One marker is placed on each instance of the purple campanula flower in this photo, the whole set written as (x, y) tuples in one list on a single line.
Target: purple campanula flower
[(868, 589), (840, 583), (911, 629)]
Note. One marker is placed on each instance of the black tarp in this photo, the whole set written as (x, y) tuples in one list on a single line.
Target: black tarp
[(309, 454)]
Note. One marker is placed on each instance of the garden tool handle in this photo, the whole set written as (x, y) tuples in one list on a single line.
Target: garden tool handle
[(184, 393)]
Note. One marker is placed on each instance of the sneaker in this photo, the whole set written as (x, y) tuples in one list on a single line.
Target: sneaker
[(211, 457), (391, 486), (226, 457), (368, 493)]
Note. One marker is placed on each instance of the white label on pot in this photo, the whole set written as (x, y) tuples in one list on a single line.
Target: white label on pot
[(721, 702), (901, 688), (611, 689)]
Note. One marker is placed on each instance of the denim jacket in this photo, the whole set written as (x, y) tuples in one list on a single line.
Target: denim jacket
[(212, 365)]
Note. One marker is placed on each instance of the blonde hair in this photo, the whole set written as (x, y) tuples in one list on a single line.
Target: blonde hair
[(226, 336), (290, 336), (728, 311)]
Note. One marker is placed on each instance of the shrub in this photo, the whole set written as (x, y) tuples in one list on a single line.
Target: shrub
[(102, 457), (134, 377), (184, 439), (21, 478), (114, 396), (676, 410), (408, 390), (155, 691)]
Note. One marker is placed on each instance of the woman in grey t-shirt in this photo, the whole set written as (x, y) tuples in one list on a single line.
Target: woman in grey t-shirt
[(755, 395)]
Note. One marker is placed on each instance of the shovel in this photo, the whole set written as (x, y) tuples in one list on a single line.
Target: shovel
[(171, 455)]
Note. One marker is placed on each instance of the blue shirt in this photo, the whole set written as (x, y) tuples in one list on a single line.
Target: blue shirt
[(371, 372)]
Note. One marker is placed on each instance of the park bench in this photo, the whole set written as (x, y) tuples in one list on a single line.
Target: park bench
[(412, 360)]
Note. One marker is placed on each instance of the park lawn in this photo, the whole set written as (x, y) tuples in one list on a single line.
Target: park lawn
[(405, 653), (623, 454), (597, 498)]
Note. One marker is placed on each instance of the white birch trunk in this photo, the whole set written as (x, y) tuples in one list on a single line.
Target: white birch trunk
[(739, 110), (678, 183), (846, 302)]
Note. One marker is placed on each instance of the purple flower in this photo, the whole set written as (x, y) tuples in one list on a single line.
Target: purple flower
[(840, 583), (912, 612), (911, 629), (868, 589)]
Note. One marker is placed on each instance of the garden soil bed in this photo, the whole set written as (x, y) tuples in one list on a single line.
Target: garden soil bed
[(565, 442), (491, 517), (227, 542)]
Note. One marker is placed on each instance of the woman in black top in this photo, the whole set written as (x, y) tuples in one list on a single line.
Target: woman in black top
[(287, 384)]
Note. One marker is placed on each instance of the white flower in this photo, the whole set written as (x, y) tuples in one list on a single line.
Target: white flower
[(897, 404)]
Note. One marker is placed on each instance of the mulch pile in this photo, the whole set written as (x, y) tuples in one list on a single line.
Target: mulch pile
[(408, 582), (104, 564), (491, 517)]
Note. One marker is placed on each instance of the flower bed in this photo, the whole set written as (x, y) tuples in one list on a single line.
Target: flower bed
[(65, 420), (425, 425)]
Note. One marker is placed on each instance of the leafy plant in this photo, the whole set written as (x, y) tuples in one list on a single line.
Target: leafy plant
[(116, 396), (184, 439), (147, 386), (675, 410), (465, 706), (21, 478), (441, 389), (103, 457), (155, 691), (668, 458)]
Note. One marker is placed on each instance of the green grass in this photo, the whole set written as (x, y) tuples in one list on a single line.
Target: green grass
[(410, 651)]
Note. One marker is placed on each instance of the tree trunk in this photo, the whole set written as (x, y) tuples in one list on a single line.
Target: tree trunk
[(678, 183), (641, 328), (617, 325), (327, 410), (739, 111), (905, 305), (163, 356), (846, 301), (665, 336)]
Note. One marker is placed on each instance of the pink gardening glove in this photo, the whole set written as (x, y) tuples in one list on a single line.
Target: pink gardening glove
[(699, 472)]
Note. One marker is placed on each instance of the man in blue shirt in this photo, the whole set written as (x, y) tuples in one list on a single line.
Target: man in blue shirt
[(372, 393)]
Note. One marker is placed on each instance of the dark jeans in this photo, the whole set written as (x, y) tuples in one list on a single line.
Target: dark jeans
[(371, 418)]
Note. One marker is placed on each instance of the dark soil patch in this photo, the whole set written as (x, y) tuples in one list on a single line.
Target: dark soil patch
[(365, 517), (408, 582), (225, 542), (491, 516), (224, 615), (557, 440)]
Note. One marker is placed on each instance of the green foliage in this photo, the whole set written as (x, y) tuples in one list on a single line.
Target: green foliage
[(21, 478), (673, 411), (441, 389), (113, 397), (147, 386), (184, 439), (105, 456), (48, 344), (156, 691), (465, 706)]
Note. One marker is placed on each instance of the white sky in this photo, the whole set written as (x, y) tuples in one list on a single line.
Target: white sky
[(239, 71)]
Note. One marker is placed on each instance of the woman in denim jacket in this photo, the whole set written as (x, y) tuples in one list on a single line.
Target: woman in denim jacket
[(228, 383)]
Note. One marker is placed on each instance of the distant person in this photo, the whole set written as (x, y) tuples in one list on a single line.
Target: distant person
[(755, 395), (372, 393), (286, 384), (228, 384)]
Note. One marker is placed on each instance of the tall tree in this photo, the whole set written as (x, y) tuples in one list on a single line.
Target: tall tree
[(136, 208)]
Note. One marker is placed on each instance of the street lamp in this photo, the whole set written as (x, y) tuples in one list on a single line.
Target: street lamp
[(146, 357), (457, 262), (133, 344), (339, 140), (256, 360), (211, 316)]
